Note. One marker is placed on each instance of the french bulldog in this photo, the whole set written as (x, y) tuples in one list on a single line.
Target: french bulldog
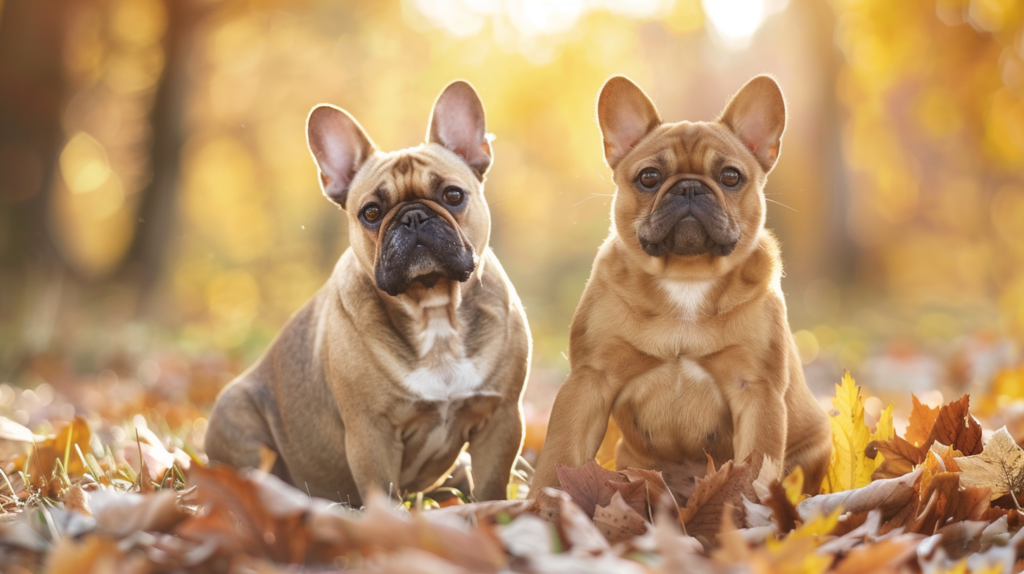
[(681, 335), (416, 346)]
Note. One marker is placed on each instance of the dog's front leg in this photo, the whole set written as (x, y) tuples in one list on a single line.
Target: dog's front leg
[(579, 420), (759, 419), (374, 455), (494, 448)]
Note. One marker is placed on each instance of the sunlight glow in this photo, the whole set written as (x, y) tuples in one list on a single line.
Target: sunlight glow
[(529, 17), (736, 21)]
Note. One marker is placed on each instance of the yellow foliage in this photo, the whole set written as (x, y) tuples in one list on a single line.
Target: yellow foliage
[(795, 553), (794, 485), (849, 466)]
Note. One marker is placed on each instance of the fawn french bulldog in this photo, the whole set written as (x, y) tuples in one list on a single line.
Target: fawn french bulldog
[(681, 335), (416, 346)]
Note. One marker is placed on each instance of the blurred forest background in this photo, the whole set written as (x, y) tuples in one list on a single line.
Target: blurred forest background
[(160, 215)]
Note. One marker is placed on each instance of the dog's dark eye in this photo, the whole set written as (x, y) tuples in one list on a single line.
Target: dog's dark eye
[(729, 177), (453, 195), (650, 178), (371, 213)]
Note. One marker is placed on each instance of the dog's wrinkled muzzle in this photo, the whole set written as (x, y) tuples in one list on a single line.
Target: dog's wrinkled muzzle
[(688, 220), (419, 244)]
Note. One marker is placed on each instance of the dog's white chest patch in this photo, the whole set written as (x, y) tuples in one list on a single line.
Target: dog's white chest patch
[(688, 296), (692, 371), (445, 382)]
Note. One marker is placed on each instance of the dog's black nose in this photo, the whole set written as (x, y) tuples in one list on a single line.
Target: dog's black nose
[(414, 217), (689, 188)]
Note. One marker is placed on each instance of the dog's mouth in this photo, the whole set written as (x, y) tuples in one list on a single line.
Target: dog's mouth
[(420, 246), (689, 220)]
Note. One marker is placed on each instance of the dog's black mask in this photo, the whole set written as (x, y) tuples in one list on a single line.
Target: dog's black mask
[(420, 245), (688, 221)]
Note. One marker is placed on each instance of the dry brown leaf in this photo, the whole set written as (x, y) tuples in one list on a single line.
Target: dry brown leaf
[(485, 511), (1000, 466), (945, 501), (956, 427), (922, 419), (888, 495), (619, 521), (899, 458), (962, 537), (658, 491), (702, 516), (77, 500), (784, 513), (634, 494), (577, 529), (42, 461), (587, 486), (121, 514), (93, 554), (884, 556)]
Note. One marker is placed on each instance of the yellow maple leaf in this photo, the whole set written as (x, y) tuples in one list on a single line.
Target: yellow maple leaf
[(796, 552), (849, 466)]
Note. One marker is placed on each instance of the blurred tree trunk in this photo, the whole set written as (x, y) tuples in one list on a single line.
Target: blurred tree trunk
[(33, 91), (146, 258), (842, 261)]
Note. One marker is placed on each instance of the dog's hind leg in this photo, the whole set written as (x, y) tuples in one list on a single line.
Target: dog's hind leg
[(238, 433)]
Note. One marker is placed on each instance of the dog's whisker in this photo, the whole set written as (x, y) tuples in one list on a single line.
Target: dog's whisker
[(782, 204), (592, 196)]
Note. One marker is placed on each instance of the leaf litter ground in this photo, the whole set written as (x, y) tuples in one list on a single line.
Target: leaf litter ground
[(85, 496)]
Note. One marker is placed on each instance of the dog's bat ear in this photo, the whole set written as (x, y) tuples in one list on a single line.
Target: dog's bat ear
[(458, 123), (625, 115), (757, 115), (339, 147)]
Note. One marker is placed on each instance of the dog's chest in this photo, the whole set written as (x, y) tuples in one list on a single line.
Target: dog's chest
[(674, 410)]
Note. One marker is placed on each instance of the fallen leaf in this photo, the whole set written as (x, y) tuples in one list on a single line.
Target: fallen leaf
[(956, 427), (618, 521), (922, 419), (702, 515), (888, 495), (1000, 466), (944, 501), (899, 458), (77, 500), (586, 486), (849, 466), (784, 512), (120, 514), (884, 556), (658, 491)]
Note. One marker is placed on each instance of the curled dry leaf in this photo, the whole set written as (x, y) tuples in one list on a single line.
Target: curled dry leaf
[(1000, 466), (77, 500), (888, 495), (120, 514), (702, 515)]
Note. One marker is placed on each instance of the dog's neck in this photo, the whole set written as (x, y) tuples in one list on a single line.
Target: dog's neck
[(434, 321)]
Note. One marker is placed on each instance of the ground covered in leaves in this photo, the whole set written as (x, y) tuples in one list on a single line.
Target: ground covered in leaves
[(87, 495)]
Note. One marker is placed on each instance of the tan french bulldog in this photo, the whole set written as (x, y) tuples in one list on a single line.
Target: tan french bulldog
[(417, 344), (681, 335)]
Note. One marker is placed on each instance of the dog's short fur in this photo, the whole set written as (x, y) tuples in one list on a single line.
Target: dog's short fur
[(416, 345), (681, 335)]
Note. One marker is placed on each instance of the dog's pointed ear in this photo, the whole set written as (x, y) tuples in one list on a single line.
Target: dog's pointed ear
[(625, 115), (757, 115), (458, 123), (339, 147)]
